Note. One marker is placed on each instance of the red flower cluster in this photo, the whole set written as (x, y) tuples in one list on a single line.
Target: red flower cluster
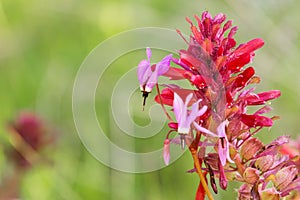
[(222, 80)]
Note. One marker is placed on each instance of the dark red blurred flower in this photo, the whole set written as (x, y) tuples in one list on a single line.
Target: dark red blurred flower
[(29, 135)]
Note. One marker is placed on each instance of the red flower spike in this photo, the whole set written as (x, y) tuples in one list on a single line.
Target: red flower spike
[(217, 68)]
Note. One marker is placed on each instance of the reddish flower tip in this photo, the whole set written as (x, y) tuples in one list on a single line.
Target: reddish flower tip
[(29, 135), (166, 151)]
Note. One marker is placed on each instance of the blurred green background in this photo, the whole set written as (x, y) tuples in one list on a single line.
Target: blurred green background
[(44, 42)]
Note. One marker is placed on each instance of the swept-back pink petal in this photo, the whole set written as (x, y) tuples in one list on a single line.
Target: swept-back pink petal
[(163, 66), (204, 130), (178, 107), (223, 144)]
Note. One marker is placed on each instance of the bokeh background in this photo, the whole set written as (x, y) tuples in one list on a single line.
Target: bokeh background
[(44, 42)]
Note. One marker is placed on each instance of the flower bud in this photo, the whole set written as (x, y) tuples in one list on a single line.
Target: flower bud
[(264, 163), (173, 125), (250, 148), (251, 175), (285, 176), (166, 151)]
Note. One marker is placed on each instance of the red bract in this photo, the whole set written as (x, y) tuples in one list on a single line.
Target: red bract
[(218, 72), (261, 98), (256, 120)]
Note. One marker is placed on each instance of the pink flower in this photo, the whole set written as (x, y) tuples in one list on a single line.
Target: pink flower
[(185, 117), (148, 74), (223, 144)]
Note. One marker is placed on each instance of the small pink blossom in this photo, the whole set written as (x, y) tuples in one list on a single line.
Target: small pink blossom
[(148, 74), (185, 117)]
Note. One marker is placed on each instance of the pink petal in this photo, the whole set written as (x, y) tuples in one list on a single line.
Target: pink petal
[(178, 107), (149, 53), (204, 130), (142, 72), (164, 65)]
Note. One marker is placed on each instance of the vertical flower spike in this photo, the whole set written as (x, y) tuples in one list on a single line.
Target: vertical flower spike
[(222, 90), (148, 74), (185, 117)]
